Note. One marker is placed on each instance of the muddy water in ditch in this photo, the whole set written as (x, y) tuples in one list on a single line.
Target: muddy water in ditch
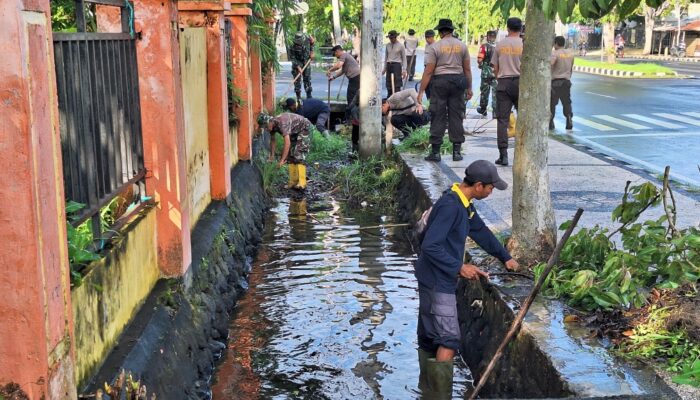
[(330, 312)]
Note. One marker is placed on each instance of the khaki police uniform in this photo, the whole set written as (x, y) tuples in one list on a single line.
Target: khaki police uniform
[(562, 61), (447, 85), (506, 58)]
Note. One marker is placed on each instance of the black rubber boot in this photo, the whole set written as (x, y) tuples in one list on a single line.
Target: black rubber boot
[(551, 125), (308, 94), (434, 154), (457, 152), (481, 110), (569, 122), (503, 159)]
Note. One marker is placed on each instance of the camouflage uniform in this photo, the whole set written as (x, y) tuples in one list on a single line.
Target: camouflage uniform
[(298, 129), (488, 79), (299, 54)]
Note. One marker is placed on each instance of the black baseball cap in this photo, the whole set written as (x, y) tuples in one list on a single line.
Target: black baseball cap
[(429, 33), (392, 33), (485, 172)]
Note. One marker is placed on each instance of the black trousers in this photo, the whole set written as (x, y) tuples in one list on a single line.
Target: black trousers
[(408, 122), (411, 66), (561, 90), (447, 108), (353, 88), (507, 93), (393, 69)]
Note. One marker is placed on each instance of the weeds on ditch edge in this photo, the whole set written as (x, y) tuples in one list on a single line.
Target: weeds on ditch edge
[(419, 142)]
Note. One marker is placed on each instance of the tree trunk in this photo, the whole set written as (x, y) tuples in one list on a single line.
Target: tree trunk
[(370, 78), (649, 22), (609, 41), (534, 229)]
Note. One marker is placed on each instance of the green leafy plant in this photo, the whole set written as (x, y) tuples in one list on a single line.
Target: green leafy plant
[(81, 248), (594, 273)]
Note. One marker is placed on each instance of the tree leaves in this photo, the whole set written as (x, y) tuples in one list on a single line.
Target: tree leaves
[(590, 9)]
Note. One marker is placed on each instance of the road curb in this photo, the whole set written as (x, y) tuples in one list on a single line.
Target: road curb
[(667, 58), (620, 74)]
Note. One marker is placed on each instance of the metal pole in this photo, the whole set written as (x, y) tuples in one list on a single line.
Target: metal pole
[(336, 22), (370, 75)]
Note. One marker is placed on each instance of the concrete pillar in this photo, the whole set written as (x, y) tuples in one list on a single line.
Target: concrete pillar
[(36, 325), (240, 57), (163, 130), (257, 83), (217, 98)]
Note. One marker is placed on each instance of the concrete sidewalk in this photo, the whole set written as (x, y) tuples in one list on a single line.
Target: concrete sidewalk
[(577, 178)]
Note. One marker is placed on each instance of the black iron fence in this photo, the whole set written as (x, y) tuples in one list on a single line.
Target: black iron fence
[(99, 111)]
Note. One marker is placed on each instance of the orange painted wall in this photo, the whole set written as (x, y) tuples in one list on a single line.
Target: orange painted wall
[(219, 159), (242, 81), (35, 320), (163, 130)]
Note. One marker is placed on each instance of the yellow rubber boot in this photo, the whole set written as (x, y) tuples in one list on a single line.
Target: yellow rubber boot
[(302, 176), (293, 176)]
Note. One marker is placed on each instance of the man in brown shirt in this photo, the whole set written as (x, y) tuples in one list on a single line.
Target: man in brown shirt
[(394, 63), (349, 67), (562, 61), (449, 75), (404, 116), (506, 67)]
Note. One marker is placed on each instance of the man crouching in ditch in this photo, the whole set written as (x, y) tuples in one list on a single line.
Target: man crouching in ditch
[(295, 131), (452, 218)]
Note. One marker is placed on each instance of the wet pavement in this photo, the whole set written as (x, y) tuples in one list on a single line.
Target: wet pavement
[(330, 312)]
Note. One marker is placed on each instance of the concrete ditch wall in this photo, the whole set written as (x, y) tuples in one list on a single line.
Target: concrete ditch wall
[(182, 328), (548, 359)]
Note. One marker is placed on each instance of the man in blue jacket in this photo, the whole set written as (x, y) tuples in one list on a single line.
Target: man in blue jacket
[(315, 110), (451, 220)]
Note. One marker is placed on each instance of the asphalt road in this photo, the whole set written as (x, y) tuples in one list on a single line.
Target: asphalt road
[(648, 123)]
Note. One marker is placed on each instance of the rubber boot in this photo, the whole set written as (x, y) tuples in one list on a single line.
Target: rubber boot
[(434, 154), (503, 158), (569, 122), (293, 176), (551, 125), (457, 152), (308, 94), (302, 177), (439, 375), (423, 357), (481, 110)]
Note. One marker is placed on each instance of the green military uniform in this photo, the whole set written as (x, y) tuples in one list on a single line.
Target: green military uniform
[(488, 78), (299, 55)]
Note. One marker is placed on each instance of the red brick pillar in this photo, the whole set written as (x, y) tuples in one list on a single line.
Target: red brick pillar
[(240, 59), (36, 323), (163, 129)]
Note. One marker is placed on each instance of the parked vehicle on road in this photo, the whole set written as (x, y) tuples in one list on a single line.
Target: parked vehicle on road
[(678, 50)]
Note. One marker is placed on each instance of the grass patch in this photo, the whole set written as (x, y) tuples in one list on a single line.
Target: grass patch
[(419, 142), (645, 68), (652, 340), (371, 182), (273, 176), (327, 148)]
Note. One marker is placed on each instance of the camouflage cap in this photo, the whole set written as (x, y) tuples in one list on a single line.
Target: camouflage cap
[(299, 38), (264, 118)]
